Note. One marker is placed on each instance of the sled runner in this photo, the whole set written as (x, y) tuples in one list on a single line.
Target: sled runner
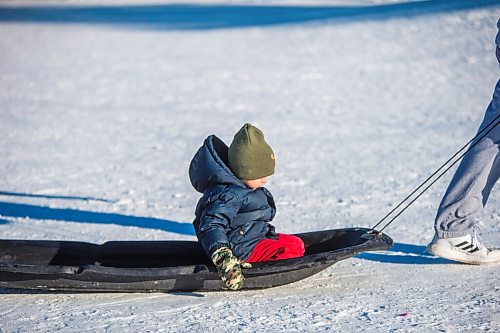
[(148, 266)]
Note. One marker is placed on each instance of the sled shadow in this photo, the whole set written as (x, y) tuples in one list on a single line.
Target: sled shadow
[(401, 253), (15, 291), (223, 16), (8, 209)]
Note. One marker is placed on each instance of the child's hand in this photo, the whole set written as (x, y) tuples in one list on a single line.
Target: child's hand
[(229, 268)]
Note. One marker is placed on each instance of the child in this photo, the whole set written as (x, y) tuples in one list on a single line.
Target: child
[(233, 215)]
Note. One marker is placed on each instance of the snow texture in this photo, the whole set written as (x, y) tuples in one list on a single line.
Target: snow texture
[(101, 110)]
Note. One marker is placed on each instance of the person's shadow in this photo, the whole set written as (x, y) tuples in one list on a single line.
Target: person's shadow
[(18, 210)]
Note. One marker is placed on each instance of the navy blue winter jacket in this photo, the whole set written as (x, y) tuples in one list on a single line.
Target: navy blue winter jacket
[(228, 214)]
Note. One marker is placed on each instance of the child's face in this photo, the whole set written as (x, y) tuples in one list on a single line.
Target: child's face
[(256, 183)]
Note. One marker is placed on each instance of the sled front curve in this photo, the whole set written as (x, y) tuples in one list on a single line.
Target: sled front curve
[(163, 266)]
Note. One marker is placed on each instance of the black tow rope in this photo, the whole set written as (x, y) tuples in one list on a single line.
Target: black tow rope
[(475, 140)]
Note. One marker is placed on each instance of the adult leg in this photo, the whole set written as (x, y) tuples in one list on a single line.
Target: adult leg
[(462, 205), (473, 181)]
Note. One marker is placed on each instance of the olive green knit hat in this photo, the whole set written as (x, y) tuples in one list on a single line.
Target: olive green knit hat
[(250, 157)]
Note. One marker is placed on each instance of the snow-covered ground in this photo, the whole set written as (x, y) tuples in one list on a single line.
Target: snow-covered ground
[(101, 112)]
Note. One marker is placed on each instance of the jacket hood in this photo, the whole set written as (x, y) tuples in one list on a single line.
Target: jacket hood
[(209, 166)]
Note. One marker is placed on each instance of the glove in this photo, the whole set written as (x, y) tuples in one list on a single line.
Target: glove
[(229, 268)]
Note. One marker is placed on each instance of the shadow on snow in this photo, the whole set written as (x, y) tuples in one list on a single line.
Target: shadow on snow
[(48, 196), (401, 253), (8, 209), (218, 16)]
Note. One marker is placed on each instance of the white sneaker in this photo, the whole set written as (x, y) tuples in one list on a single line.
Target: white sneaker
[(468, 249)]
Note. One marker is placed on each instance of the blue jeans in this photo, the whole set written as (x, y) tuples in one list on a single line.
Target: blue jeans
[(473, 181)]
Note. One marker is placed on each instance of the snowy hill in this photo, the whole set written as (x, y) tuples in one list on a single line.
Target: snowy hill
[(104, 103)]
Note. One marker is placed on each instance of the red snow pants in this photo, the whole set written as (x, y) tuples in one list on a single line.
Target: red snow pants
[(285, 247)]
